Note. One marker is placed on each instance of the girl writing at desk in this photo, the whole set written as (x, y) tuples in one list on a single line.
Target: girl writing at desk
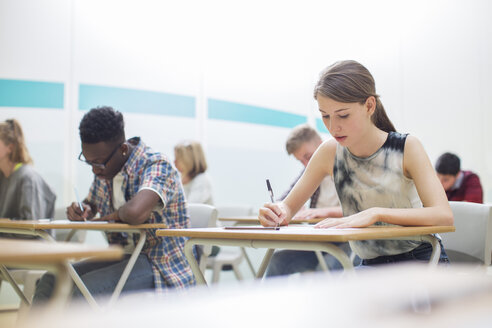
[(382, 177)]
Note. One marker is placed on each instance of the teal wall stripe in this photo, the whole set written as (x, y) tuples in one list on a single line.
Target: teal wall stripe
[(231, 111), (20, 93), (33, 94), (136, 101), (320, 126)]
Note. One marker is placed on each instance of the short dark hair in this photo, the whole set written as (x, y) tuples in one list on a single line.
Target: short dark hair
[(448, 163), (102, 124)]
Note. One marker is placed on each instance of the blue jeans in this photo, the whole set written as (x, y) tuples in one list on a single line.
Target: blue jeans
[(287, 262), (422, 254), (101, 278)]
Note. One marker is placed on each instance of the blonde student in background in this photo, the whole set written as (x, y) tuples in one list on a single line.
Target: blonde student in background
[(301, 143), (190, 161), (24, 194), (382, 177)]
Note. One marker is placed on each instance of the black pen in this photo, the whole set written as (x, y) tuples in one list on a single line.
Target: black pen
[(270, 190)]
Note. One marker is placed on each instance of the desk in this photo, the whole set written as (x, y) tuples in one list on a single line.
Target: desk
[(38, 228), (253, 220), (239, 220), (305, 238), (54, 257), (401, 295)]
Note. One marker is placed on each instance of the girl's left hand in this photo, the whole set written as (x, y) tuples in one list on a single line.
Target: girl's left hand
[(358, 220), (308, 213)]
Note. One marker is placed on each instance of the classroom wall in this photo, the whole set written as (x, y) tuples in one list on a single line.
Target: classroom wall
[(237, 76)]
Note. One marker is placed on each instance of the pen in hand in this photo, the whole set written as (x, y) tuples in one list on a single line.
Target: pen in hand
[(270, 190), (78, 201)]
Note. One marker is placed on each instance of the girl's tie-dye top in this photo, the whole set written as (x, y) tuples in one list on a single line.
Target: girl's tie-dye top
[(376, 181)]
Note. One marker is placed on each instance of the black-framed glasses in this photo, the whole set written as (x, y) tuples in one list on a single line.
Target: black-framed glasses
[(100, 166)]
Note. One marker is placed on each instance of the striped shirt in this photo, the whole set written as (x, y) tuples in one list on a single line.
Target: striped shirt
[(150, 170)]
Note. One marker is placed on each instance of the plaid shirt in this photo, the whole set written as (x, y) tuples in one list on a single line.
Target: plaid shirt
[(146, 169)]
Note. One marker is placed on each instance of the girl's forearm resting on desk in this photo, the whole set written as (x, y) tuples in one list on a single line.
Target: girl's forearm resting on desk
[(427, 216)]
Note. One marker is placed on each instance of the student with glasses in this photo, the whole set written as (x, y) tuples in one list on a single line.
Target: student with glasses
[(134, 185)]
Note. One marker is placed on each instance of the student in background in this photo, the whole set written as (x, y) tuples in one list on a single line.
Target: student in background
[(24, 194), (189, 159), (382, 177), (132, 184), (459, 185), (302, 142)]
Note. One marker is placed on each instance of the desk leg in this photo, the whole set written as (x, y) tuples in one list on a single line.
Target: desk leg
[(329, 248), (188, 250), (207, 250), (8, 277), (248, 260), (71, 271), (321, 261), (128, 268), (63, 287), (70, 235), (80, 284), (431, 239), (436, 249), (264, 263)]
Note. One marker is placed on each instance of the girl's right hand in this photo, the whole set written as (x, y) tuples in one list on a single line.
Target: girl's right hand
[(75, 214), (272, 214)]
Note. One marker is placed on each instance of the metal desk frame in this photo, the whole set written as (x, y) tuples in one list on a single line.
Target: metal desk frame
[(33, 230)]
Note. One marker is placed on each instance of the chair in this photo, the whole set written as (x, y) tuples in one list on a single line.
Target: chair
[(202, 216), (472, 240), (231, 211), (228, 259)]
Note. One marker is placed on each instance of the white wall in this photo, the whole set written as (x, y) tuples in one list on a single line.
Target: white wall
[(431, 61)]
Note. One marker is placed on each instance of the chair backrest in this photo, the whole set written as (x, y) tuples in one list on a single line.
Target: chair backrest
[(472, 240), (231, 211), (202, 215), (234, 210)]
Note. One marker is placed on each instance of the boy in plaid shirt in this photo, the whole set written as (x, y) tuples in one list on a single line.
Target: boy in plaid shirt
[(134, 185)]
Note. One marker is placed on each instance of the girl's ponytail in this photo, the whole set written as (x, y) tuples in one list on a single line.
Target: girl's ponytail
[(380, 119)]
